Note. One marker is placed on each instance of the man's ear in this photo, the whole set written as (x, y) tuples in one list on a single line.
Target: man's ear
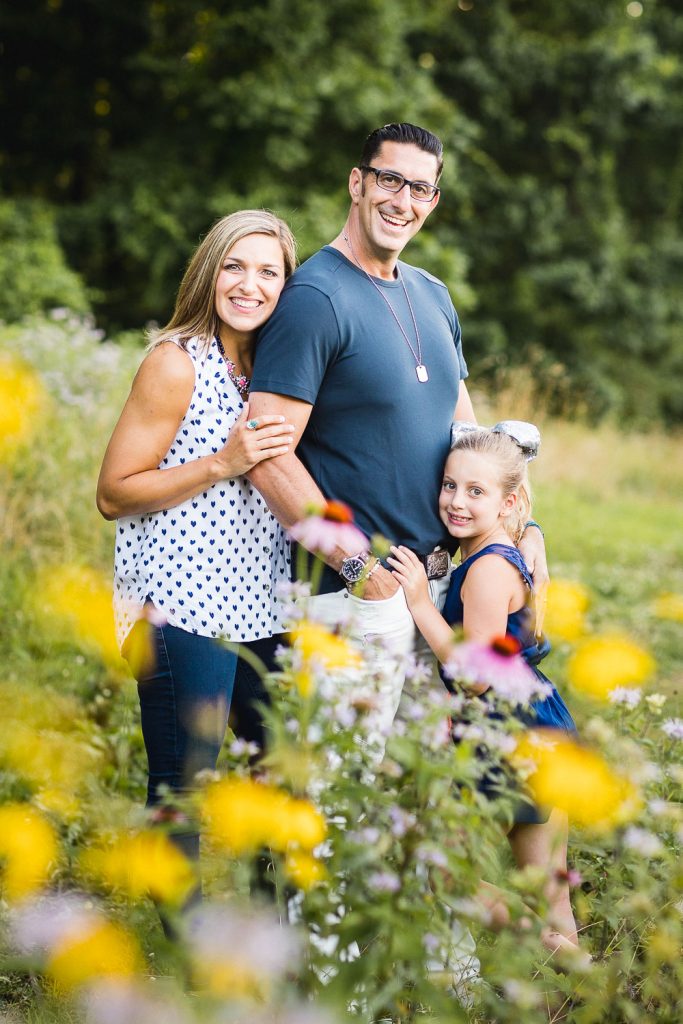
[(356, 184)]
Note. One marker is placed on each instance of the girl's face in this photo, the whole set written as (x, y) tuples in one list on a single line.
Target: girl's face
[(249, 283), (472, 503)]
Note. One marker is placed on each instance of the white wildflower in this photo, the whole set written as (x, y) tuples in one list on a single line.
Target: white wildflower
[(643, 842), (384, 881), (629, 696), (673, 728)]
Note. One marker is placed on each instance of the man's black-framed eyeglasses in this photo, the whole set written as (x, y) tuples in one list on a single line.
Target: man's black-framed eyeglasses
[(392, 181)]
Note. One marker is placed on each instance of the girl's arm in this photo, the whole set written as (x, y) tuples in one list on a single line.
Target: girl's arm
[(410, 573), (131, 482), (492, 589)]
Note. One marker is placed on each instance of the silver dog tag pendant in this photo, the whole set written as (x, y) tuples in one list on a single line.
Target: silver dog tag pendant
[(422, 375)]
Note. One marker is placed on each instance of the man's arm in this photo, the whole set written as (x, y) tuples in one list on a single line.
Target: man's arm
[(289, 489), (464, 409)]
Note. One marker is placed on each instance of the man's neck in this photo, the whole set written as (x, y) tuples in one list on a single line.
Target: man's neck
[(381, 265)]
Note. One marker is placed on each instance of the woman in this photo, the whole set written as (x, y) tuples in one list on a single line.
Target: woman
[(197, 550)]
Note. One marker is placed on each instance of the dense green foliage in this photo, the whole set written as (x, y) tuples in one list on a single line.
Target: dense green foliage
[(33, 270), (559, 231)]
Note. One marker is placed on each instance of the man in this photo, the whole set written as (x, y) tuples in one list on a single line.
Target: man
[(363, 355)]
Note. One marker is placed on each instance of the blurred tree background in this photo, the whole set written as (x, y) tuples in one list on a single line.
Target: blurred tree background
[(129, 127)]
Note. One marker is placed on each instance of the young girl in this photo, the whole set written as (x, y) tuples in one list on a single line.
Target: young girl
[(485, 504)]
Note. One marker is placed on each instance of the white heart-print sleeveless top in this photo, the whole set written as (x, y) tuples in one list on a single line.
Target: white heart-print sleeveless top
[(212, 564)]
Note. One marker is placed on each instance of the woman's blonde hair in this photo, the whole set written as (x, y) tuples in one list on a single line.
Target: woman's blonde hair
[(195, 308), (514, 478)]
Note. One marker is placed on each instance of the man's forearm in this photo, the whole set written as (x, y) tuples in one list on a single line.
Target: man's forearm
[(287, 486), (290, 491)]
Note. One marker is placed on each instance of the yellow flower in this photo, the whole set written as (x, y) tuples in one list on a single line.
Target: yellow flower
[(28, 846), (80, 599), (22, 397), (566, 608), (55, 761), (576, 780), (145, 864), (243, 815), (669, 606), (304, 682), (601, 664), (99, 950), (317, 644), (140, 648), (230, 980), (304, 870), (298, 824)]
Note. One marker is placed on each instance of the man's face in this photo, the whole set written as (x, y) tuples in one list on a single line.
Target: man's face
[(388, 220)]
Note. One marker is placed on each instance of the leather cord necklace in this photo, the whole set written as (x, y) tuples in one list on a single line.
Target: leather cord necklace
[(420, 368)]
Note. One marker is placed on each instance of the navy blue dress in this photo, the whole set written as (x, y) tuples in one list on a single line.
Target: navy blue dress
[(550, 713)]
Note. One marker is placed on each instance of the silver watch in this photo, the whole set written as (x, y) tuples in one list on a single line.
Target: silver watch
[(352, 568)]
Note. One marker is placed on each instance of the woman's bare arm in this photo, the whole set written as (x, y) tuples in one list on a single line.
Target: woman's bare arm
[(131, 482)]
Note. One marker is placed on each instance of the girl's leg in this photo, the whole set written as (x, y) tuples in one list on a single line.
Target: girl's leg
[(545, 846)]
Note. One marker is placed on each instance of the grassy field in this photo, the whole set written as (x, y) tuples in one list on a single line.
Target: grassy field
[(608, 501)]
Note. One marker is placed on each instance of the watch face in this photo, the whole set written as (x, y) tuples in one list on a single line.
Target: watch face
[(352, 569)]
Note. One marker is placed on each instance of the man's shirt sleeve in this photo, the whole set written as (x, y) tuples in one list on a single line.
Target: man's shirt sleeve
[(297, 345), (457, 338)]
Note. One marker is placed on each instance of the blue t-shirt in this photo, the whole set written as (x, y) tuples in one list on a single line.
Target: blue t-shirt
[(377, 438)]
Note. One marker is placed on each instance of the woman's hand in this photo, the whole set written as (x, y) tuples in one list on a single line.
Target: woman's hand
[(251, 441), (410, 573)]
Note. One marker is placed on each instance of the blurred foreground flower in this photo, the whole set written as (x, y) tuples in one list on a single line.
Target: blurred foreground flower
[(28, 846), (318, 645), (327, 529), (57, 764), (669, 606), (240, 955), (497, 665), (145, 864), (22, 398), (319, 649), (576, 780), (95, 949), (567, 604), (304, 870), (604, 663), (243, 815), (126, 1001), (80, 599)]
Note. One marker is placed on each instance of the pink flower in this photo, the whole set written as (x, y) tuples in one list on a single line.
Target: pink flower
[(498, 666), (328, 529)]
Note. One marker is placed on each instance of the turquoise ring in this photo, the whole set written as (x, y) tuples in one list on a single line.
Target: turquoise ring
[(252, 425)]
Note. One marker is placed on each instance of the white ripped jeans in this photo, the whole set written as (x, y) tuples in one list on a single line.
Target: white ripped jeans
[(390, 621)]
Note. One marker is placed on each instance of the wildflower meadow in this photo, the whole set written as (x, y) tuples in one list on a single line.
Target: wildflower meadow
[(341, 873)]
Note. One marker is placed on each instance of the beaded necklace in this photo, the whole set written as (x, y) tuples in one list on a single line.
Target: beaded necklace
[(240, 380)]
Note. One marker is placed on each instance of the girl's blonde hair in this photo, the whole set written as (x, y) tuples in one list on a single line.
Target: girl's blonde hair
[(514, 478), (195, 309)]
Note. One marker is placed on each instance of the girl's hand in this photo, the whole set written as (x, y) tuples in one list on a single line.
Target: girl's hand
[(410, 573), (251, 441)]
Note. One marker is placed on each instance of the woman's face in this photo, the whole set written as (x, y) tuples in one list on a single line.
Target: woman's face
[(249, 283)]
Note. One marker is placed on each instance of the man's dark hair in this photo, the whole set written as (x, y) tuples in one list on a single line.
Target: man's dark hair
[(406, 133)]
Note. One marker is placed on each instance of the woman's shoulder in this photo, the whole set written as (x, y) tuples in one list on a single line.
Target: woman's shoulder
[(167, 370)]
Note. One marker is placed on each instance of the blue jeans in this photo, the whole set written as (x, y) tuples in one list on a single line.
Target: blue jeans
[(184, 703)]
